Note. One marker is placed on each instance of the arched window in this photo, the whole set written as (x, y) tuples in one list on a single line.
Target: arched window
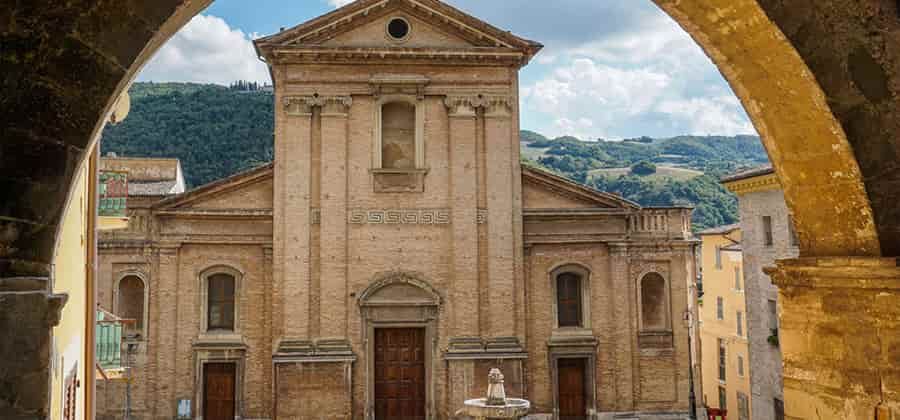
[(653, 302), (571, 291), (130, 300), (220, 302), (398, 135)]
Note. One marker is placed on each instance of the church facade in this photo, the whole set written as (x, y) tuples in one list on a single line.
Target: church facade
[(396, 250)]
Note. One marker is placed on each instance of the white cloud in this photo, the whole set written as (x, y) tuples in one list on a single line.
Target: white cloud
[(206, 50), (652, 80), (340, 3)]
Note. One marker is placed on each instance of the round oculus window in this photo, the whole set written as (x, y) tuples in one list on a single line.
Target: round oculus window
[(398, 29)]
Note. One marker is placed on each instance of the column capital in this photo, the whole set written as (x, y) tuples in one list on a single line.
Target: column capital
[(837, 273), (466, 105), (302, 106)]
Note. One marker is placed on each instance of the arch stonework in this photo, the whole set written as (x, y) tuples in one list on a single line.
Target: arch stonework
[(820, 85)]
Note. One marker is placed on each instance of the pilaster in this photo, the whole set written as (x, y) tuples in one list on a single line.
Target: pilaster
[(166, 336), (292, 253), (333, 220), (624, 335), (499, 186), (463, 187), (839, 337)]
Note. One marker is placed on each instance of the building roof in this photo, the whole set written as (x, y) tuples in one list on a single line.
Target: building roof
[(735, 247), (153, 189), (749, 173), (147, 177), (309, 38), (720, 230)]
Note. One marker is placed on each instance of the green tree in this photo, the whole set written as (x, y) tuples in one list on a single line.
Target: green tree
[(643, 168)]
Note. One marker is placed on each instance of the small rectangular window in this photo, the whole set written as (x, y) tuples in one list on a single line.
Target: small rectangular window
[(718, 257), (795, 239), (740, 366), (773, 314), (743, 406), (722, 360), (740, 323), (768, 237), (723, 398), (779, 409), (720, 308), (737, 279)]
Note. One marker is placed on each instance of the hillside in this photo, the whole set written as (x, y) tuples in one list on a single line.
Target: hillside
[(217, 131)]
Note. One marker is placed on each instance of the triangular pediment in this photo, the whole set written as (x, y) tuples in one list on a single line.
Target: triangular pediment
[(362, 25), (251, 190), (544, 190)]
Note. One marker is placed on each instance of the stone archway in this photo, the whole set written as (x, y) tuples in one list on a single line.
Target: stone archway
[(821, 81)]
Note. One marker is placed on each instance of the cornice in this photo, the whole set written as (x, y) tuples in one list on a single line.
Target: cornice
[(229, 214), (766, 182), (479, 57)]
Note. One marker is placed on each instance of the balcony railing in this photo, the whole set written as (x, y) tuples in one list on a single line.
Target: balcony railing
[(110, 331)]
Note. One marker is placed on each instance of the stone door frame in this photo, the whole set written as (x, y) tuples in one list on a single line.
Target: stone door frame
[(225, 353), (587, 352), (387, 303)]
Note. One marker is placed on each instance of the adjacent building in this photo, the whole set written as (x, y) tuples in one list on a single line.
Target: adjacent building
[(396, 250), (72, 355), (723, 323), (768, 235)]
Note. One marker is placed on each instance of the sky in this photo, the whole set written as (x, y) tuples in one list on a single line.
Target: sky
[(610, 69)]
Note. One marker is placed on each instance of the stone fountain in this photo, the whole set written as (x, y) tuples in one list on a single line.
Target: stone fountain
[(496, 405)]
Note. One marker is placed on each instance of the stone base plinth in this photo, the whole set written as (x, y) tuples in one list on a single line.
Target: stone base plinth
[(840, 337)]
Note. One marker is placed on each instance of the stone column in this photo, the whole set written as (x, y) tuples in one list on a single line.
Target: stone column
[(501, 239), (28, 313), (292, 218), (840, 337), (464, 198), (623, 314), (333, 222)]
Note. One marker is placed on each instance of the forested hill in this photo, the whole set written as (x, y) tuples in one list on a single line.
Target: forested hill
[(217, 131)]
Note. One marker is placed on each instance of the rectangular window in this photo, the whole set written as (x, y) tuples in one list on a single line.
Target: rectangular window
[(743, 406), (568, 299), (740, 366), (718, 257), (722, 360), (723, 398), (795, 240), (737, 279), (220, 315), (773, 314), (720, 308), (740, 323), (779, 409), (768, 238)]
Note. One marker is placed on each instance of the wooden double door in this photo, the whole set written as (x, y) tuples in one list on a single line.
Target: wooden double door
[(400, 392), (219, 391), (572, 389)]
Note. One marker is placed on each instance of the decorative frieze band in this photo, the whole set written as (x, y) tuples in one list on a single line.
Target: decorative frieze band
[(466, 105), (400, 217), (330, 105)]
